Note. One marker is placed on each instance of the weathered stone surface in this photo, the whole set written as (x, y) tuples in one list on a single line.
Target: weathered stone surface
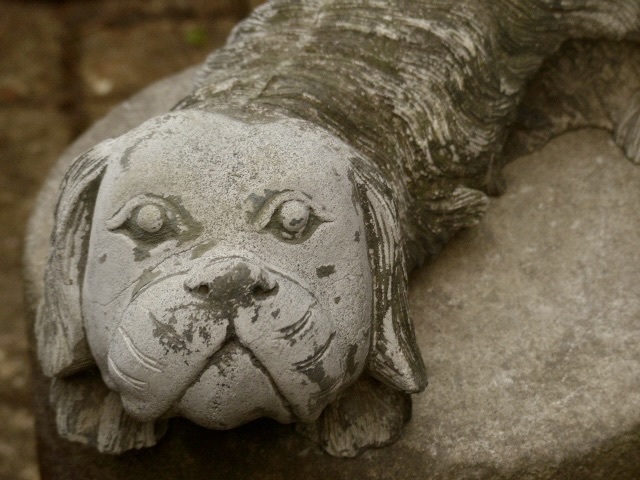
[(530, 320), (31, 53), (529, 327)]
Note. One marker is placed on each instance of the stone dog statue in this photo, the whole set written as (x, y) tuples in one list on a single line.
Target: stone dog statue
[(246, 254)]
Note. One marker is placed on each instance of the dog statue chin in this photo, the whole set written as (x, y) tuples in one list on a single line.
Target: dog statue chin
[(222, 269)]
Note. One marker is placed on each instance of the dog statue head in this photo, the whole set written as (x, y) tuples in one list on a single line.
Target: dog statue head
[(222, 270)]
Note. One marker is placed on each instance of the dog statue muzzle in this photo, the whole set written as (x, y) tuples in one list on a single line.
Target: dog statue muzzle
[(227, 325)]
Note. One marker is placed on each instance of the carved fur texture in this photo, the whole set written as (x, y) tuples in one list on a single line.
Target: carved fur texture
[(424, 89)]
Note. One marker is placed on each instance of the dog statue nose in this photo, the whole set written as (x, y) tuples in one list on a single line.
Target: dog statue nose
[(231, 279)]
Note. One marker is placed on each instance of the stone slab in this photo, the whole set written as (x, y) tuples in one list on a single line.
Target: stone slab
[(530, 323)]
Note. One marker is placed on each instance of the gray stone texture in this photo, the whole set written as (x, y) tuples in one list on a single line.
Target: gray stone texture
[(530, 321)]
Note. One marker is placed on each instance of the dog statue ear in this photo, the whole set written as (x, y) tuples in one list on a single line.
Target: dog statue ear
[(86, 411), (394, 358), (61, 342), (369, 414)]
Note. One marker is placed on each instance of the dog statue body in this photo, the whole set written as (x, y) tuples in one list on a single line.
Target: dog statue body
[(246, 254)]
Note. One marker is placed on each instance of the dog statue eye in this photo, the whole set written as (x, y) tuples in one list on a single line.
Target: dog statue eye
[(290, 216), (149, 219), (293, 216)]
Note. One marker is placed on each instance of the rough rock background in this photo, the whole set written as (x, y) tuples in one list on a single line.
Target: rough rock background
[(64, 64)]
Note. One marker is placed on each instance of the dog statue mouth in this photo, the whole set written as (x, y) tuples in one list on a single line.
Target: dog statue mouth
[(212, 400), (225, 344)]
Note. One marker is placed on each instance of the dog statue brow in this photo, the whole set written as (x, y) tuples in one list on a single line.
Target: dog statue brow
[(425, 91)]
